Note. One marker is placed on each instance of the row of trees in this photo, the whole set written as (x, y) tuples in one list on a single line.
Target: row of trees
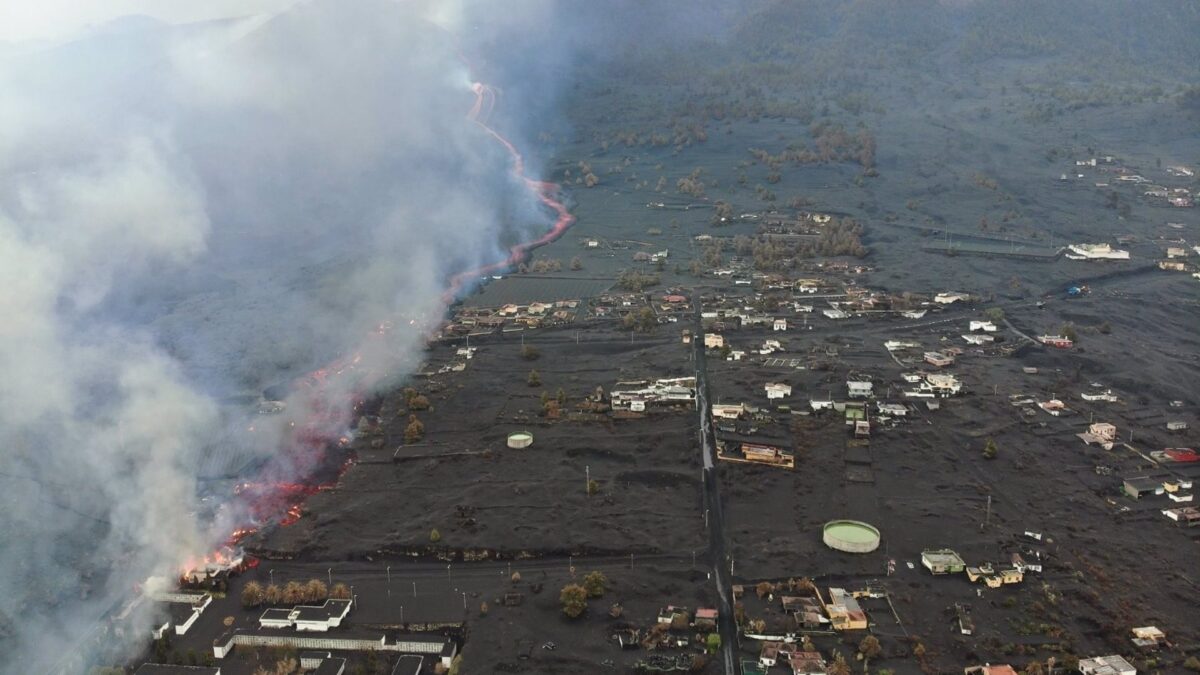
[(255, 594), (680, 134), (641, 321), (635, 281), (838, 238), (833, 144)]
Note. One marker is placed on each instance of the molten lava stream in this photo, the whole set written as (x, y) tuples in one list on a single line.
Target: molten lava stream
[(333, 398)]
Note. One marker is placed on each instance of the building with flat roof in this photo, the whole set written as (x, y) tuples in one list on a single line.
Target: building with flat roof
[(1003, 669), (859, 388), (1139, 486), (307, 617), (844, 611), (341, 640), (942, 561), (1106, 665)]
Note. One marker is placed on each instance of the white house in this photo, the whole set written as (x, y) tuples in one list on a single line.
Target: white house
[(1096, 252), (713, 341), (821, 404), (318, 618), (780, 324), (835, 313), (859, 388), (949, 298), (776, 390), (1106, 665), (892, 409), (978, 339), (728, 411), (986, 326)]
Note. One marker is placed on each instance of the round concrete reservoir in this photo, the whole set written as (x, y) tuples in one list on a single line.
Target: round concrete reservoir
[(520, 439), (851, 536)]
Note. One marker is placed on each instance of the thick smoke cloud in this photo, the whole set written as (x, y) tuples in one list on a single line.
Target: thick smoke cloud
[(190, 214)]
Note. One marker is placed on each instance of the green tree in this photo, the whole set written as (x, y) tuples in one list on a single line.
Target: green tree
[(574, 600), (595, 583), (989, 449), (712, 643), (435, 536), (534, 379)]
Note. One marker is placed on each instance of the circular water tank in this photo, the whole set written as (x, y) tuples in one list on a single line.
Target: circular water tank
[(520, 439), (850, 536)]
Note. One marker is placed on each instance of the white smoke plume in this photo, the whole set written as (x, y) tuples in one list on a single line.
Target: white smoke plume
[(191, 213)]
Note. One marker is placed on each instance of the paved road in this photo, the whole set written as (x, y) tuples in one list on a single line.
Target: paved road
[(712, 502)]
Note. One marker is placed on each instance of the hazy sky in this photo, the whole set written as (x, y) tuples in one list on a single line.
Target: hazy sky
[(38, 19)]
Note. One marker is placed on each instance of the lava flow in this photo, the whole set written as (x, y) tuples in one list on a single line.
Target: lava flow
[(333, 395)]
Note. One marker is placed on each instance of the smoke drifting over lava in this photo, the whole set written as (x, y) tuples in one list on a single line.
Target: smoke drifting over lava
[(191, 213)]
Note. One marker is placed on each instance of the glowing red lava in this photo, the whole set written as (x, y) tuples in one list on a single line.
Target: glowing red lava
[(332, 394)]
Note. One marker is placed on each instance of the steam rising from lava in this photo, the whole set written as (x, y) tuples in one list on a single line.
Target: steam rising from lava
[(193, 213)]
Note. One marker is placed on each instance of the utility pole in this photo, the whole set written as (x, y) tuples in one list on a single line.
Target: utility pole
[(330, 577), (988, 516), (389, 575), (587, 476)]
